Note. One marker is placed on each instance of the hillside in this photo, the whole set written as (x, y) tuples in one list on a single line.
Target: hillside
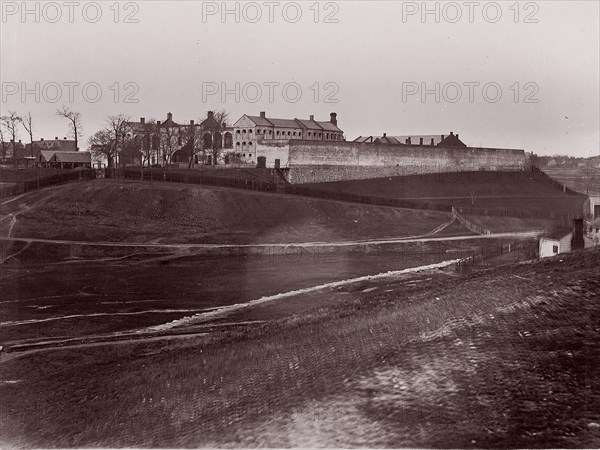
[(582, 179), (521, 191), (108, 210)]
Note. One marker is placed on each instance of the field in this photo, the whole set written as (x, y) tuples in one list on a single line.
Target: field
[(524, 192)]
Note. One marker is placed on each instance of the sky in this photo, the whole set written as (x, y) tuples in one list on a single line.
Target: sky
[(501, 74)]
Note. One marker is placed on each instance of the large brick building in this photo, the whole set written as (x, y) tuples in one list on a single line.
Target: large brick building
[(249, 130), (169, 142)]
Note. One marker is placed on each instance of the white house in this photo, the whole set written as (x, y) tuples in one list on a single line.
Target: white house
[(555, 242)]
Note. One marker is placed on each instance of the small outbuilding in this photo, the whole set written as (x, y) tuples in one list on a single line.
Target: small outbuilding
[(555, 242)]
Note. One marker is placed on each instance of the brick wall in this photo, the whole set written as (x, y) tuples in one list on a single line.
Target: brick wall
[(314, 161)]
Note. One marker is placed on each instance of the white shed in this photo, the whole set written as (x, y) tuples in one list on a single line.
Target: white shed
[(554, 243)]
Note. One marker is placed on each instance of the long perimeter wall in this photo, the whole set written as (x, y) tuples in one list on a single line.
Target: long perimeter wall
[(318, 161)]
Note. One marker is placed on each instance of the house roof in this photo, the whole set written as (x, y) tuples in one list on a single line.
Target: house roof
[(72, 157), (46, 155), (557, 233)]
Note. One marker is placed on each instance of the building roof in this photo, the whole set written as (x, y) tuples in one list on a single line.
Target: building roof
[(284, 123), (46, 155), (260, 121), (416, 138), (309, 124), (328, 126), (72, 157), (557, 233), (387, 140)]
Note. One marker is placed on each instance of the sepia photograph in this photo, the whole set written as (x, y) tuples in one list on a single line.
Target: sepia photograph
[(300, 224)]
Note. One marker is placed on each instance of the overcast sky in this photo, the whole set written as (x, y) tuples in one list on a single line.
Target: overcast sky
[(374, 58)]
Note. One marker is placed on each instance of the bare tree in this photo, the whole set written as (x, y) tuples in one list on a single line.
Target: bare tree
[(150, 145), (118, 127), (169, 141), (74, 119), (474, 196), (10, 122), (4, 144), (193, 145), (102, 145), (28, 125)]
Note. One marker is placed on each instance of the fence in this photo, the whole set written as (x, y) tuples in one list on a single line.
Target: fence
[(47, 178), (469, 225)]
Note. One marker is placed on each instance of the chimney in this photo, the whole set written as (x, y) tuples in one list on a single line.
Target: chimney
[(55, 138), (577, 239), (384, 134), (451, 133), (456, 135), (312, 117), (432, 142), (41, 139), (192, 122), (442, 137), (409, 140), (262, 115), (333, 119), (169, 116), (158, 123), (19, 141), (420, 141), (142, 120), (211, 115)]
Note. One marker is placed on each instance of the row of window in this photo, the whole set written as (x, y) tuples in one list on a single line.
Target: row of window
[(290, 133)]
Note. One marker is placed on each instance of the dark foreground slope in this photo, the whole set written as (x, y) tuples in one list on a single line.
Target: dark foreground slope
[(502, 358)]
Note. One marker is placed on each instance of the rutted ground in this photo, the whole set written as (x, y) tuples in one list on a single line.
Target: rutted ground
[(501, 358)]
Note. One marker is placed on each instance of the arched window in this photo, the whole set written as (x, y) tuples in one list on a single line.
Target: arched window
[(250, 143), (278, 133), (270, 131), (243, 143), (309, 134), (249, 131), (237, 144), (237, 132), (289, 133)]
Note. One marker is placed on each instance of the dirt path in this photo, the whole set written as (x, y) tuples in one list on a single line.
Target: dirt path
[(517, 234)]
